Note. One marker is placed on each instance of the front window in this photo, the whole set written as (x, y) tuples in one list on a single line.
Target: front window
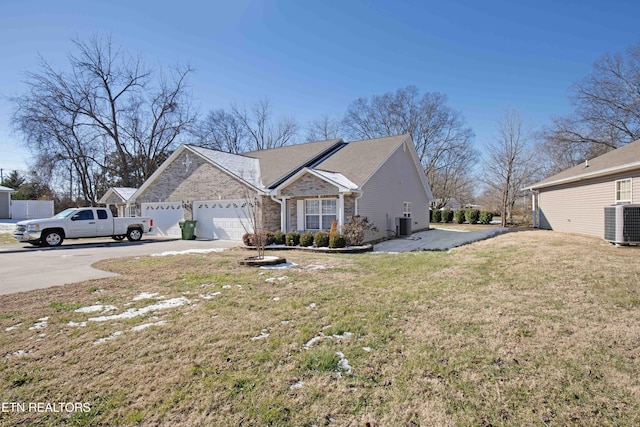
[(320, 213), (623, 191)]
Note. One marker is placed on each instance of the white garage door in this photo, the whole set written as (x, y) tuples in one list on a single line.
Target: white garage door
[(221, 219), (166, 216)]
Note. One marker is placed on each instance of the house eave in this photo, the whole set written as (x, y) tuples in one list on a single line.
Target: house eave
[(586, 176)]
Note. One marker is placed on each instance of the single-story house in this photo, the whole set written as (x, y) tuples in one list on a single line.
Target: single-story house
[(298, 187), (574, 200), (120, 199), (5, 202)]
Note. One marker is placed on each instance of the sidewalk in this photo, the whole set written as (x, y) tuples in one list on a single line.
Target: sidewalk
[(436, 240)]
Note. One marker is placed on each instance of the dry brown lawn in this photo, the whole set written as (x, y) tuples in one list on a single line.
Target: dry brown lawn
[(528, 328)]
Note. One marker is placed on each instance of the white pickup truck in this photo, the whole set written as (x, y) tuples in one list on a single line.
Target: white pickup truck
[(77, 223)]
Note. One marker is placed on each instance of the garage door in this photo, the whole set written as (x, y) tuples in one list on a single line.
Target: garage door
[(166, 217), (221, 219)]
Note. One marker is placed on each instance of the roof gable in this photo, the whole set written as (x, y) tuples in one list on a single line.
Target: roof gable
[(618, 160), (276, 164)]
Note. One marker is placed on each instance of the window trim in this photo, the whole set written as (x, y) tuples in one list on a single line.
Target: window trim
[(320, 214), (617, 191)]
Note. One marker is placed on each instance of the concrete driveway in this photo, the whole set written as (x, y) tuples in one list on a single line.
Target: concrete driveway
[(436, 240), (24, 267)]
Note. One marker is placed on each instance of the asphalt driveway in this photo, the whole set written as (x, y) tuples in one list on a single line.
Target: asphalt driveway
[(24, 267), (436, 240)]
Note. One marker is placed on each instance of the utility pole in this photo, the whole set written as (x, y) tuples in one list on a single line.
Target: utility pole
[(1, 175)]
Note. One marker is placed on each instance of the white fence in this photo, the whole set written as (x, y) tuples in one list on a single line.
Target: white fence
[(31, 209)]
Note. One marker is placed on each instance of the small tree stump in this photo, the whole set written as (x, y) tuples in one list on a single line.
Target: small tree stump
[(254, 261)]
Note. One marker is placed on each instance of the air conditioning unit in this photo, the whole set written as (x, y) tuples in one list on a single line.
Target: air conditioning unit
[(403, 226), (622, 224)]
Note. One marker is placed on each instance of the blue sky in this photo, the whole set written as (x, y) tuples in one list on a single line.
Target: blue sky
[(315, 57)]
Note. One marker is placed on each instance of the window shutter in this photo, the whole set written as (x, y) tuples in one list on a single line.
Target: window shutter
[(300, 215)]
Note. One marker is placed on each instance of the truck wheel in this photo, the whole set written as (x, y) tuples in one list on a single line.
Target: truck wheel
[(52, 238), (134, 234)]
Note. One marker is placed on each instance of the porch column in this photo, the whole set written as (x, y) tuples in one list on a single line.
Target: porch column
[(283, 215), (340, 210)]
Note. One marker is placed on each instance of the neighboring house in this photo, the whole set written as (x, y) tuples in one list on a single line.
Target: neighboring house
[(5, 202), (574, 200), (120, 198), (299, 187)]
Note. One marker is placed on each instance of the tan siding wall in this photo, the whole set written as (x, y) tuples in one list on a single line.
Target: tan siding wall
[(397, 181), (579, 208)]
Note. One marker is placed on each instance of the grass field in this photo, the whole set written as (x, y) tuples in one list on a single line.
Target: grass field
[(528, 328)]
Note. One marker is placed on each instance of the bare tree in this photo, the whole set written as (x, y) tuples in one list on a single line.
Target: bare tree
[(606, 116), (324, 128), (509, 162), (240, 129), (106, 118), (442, 139)]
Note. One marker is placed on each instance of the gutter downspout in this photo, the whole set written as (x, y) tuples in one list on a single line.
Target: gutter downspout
[(535, 209), (283, 213)]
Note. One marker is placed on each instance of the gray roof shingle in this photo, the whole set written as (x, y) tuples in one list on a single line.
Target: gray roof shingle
[(623, 158)]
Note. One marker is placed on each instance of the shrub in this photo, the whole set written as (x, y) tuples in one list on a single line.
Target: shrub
[(447, 215), (472, 216), (458, 216), (279, 238), (306, 239), (292, 238), (249, 239), (356, 228), (269, 237), (321, 239), (437, 216), (337, 240), (486, 217)]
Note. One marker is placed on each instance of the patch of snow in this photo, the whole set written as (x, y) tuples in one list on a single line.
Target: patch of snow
[(279, 266), (148, 325), (384, 253), (326, 326), (210, 296), (189, 251), (344, 335), (11, 328), (74, 324), (275, 299), (262, 336), (147, 295), (95, 308), (312, 306), (314, 340), (286, 322), (343, 364), (367, 349), (135, 312), (114, 335), (239, 286), (315, 267), (273, 279), (226, 286), (40, 324), (19, 353), (297, 385)]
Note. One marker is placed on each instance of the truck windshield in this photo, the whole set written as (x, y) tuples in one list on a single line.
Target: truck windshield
[(65, 213)]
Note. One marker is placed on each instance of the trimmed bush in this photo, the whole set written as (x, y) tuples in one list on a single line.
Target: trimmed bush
[(337, 240), (321, 239), (458, 216), (486, 217), (437, 216), (269, 238), (249, 239), (306, 239), (279, 238), (292, 238), (447, 215), (472, 216)]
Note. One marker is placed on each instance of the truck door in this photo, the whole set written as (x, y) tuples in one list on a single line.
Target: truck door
[(82, 224), (104, 223)]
